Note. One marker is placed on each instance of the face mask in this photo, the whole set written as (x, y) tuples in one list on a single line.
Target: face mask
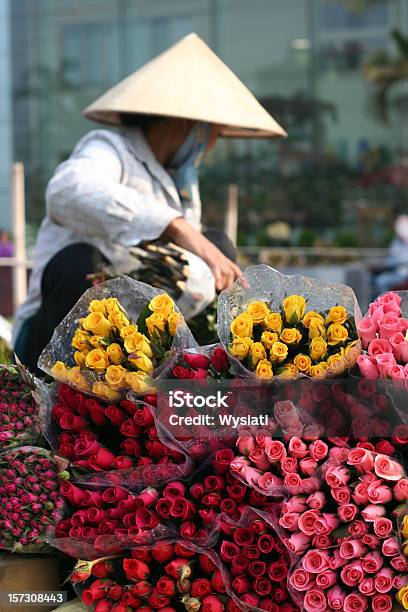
[(183, 166)]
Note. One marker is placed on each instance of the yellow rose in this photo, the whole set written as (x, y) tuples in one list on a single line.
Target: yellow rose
[(142, 362), (405, 548), (273, 322), (289, 370), (303, 363), (115, 353), (294, 307), (242, 326), (138, 342), (312, 314), (97, 324), (113, 305), (175, 319), (257, 352), (316, 328), (128, 330), (97, 306), (402, 597), (77, 379), (59, 371), (95, 341), (155, 323), (264, 369), (291, 335), (352, 347), (137, 381), (80, 357), (335, 360), (318, 348), (319, 369), (337, 314), (97, 359), (404, 527), (279, 352), (336, 334), (258, 312), (104, 391), (240, 347), (268, 339), (115, 376), (163, 304), (118, 319), (80, 341)]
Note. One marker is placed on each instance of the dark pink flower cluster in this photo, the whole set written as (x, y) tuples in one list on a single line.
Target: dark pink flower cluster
[(19, 422), (198, 365), (350, 557), (30, 499)]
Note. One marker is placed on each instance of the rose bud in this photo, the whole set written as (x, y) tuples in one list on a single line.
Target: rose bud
[(166, 586), (156, 600), (162, 551), (222, 460), (251, 599), (211, 603), (103, 605), (218, 582), (135, 570), (197, 490), (200, 587), (142, 555), (181, 550), (114, 591), (206, 564), (178, 568), (241, 584), (142, 588), (102, 569)]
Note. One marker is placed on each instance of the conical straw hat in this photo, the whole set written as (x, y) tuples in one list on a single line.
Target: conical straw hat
[(188, 81)]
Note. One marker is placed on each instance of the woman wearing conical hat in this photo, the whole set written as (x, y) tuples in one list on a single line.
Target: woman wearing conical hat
[(138, 183)]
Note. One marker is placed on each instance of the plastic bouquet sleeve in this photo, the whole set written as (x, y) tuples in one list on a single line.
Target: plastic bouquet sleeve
[(285, 326), (117, 337)]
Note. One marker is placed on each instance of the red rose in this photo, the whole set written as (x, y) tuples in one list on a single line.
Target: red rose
[(130, 407), (385, 447), (257, 568), (400, 435), (218, 582), (211, 603), (142, 555), (157, 600), (96, 412), (142, 588), (223, 459), (74, 495), (277, 571), (197, 490), (122, 463), (270, 606), (156, 449), (146, 519), (252, 552), (102, 459), (188, 529), (266, 543), (241, 584), (228, 506), (163, 507), (237, 492), (70, 422), (114, 591), (103, 605), (135, 569), (251, 599), (181, 508), (262, 586), (196, 361), (96, 591), (115, 415), (162, 551), (166, 586), (212, 500), (130, 429), (206, 564), (143, 417), (174, 490), (228, 551), (243, 536), (219, 360), (214, 483), (67, 395), (176, 567), (113, 495), (131, 447), (182, 373), (200, 587), (85, 448), (102, 569)]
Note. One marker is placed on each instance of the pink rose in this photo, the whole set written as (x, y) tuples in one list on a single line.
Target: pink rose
[(297, 543), (308, 466), (297, 448), (389, 325), (376, 311), (347, 512), (326, 579), (382, 603), (268, 481), (368, 367), (390, 547), (341, 495), (335, 598), (367, 330), (400, 581), (355, 602), (337, 560), (384, 580), (285, 413), (384, 362), (250, 475), (289, 521), (368, 478), (316, 561), (307, 522), (296, 503), (399, 347), (361, 459), (379, 493), (401, 489), (387, 468), (275, 450), (399, 563), (289, 465), (317, 500), (372, 512), (352, 573), (370, 539), (382, 527), (315, 600), (301, 580), (397, 372), (367, 587), (322, 540), (352, 549), (293, 482), (391, 302), (378, 347), (318, 450), (259, 458), (245, 443), (337, 476), (326, 523), (372, 562), (357, 528)]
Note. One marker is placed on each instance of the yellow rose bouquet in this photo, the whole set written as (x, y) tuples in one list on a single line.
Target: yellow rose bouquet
[(310, 332), (106, 348)]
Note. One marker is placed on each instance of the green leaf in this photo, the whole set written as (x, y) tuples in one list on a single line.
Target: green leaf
[(141, 321)]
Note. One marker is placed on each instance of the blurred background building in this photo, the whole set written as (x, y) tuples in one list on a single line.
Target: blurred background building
[(337, 181)]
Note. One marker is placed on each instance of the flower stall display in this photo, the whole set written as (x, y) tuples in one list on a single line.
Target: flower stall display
[(19, 413), (286, 326), (30, 498), (115, 337), (383, 332)]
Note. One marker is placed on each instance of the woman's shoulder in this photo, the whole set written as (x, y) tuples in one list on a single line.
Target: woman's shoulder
[(101, 138)]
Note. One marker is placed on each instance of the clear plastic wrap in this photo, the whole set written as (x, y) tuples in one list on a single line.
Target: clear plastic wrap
[(93, 337), (263, 284)]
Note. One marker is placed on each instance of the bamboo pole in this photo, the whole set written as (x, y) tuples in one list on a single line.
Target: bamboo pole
[(18, 228), (231, 217)]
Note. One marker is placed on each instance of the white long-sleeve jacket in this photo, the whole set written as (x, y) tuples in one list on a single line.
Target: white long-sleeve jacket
[(113, 193)]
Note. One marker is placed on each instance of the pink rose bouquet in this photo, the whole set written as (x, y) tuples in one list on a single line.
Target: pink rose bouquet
[(19, 421)]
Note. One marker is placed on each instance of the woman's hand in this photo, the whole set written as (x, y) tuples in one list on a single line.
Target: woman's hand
[(185, 236)]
